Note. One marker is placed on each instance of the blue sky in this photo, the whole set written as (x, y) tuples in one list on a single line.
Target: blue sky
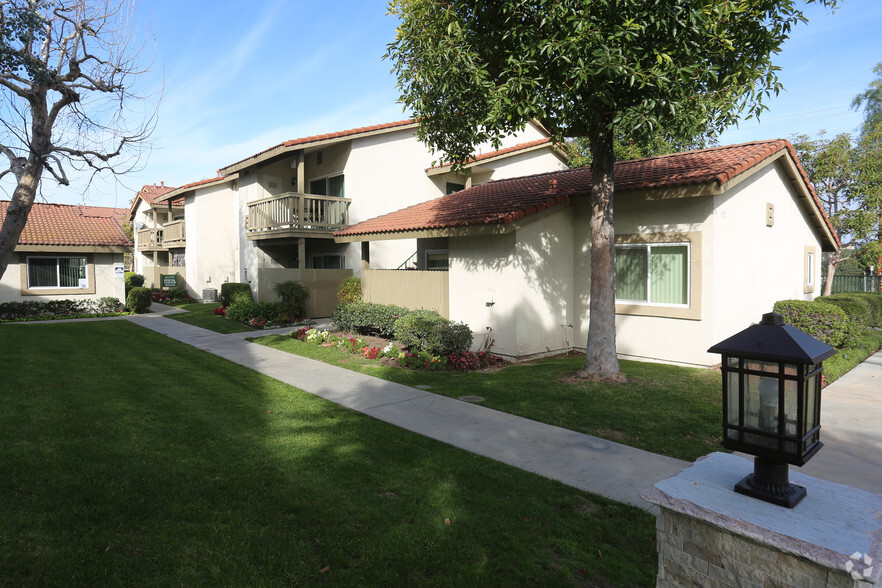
[(240, 77)]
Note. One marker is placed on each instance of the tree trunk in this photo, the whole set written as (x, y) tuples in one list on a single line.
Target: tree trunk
[(832, 262), (18, 209), (601, 361)]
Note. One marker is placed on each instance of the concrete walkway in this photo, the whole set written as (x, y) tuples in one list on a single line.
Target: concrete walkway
[(851, 429), (851, 418), (616, 471)]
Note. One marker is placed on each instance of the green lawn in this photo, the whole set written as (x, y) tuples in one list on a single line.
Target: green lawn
[(127, 458), (665, 409), (202, 315)]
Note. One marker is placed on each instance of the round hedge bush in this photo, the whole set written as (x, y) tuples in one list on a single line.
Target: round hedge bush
[(139, 299)]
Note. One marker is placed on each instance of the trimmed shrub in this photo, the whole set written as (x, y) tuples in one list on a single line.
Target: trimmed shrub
[(350, 290), (139, 299), (368, 318), (133, 280), (864, 307), (426, 330), (294, 295), (107, 305), (230, 288), (822, 321)]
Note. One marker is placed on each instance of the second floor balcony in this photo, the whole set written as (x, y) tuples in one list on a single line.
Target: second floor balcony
[(169, 236), (296, 215)]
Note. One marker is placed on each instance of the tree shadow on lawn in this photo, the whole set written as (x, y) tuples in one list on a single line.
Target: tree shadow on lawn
[(129, 458)]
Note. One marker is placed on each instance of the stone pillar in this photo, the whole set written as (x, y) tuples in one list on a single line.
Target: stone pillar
[(710, 536)]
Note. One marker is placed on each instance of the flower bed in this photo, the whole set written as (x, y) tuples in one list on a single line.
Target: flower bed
[(414, 360), (172, 297)]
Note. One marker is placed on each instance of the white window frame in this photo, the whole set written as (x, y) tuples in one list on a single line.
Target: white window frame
[(80, 286), (649, 247), (809, 270)]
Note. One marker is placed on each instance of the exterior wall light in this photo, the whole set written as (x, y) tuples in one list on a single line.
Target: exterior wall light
[(772, 404)]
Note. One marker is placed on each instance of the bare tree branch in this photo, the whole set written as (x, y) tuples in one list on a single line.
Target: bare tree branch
[(66, 72)]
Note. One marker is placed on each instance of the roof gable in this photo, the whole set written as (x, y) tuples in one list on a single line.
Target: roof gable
[(72, 225), (316, 140), (502, 202), (150, 194)]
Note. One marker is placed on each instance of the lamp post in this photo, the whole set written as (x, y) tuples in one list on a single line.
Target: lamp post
[(772, 404)]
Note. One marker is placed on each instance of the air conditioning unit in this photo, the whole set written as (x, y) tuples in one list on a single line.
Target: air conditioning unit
[(209, 295)]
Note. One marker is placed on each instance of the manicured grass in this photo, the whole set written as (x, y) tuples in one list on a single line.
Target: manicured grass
[(202, 315), (868, 343), (129, 459), (665, 409)]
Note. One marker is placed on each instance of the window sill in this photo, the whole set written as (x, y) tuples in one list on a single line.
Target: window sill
[(692, 313)]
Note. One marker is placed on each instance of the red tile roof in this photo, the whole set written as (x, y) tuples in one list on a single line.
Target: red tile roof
[(63, 224), (199, 183), (501, 152), (150, 193), (505, 201), (303, 141)]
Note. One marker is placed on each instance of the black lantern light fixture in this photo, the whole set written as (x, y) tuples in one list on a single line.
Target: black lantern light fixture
[(772, 404)]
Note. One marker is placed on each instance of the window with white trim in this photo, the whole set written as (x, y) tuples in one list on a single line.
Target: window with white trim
[(653, 273), (810, 271), (57, 272)]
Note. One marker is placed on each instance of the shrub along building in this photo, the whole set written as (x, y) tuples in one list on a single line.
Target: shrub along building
[(706, 242), (67, 252), (270, 217)]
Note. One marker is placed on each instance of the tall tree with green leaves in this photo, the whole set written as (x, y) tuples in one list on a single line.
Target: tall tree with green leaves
[(846, 179), (871, 143), (474, 71), (67, 77)]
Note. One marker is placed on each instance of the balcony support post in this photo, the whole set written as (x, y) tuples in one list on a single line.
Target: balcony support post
[(301, 254)]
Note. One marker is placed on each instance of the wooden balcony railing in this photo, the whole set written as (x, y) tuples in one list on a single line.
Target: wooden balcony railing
[(295, 212), (150, 238), (169, 236), (173, 234)]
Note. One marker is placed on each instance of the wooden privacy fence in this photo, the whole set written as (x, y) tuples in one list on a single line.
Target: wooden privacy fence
[(321, 283), (857, 284), (408, 288)]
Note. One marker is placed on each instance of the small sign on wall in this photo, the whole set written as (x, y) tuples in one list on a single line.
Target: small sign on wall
[(169, 280), (119, 272)]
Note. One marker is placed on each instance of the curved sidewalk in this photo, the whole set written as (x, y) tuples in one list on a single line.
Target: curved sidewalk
[(595, 465), (851, 414)]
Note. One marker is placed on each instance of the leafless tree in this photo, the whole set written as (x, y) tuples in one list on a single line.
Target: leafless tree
[(69, 71)]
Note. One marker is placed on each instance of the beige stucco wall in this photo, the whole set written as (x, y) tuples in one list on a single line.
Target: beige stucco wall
[(212, 227), (383, 173), (101, 275), (527, 279), (752, 265), (539, 277)]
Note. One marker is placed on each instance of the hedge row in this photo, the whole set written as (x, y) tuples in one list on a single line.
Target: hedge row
[(57, 309), (836, 320), (368, 318), (422, 330), (864, 307)]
